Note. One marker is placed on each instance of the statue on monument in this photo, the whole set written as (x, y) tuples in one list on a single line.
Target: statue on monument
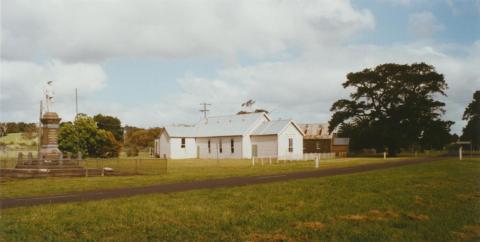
[(50, 126), (50, 161), (48, 91)]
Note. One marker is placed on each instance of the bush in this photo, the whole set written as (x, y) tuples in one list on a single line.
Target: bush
[(132, 150)]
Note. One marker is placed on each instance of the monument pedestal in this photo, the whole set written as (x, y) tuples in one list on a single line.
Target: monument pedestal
[(49, 140), (50, 162)]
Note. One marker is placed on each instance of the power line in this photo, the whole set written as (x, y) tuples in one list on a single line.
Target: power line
[(205, 110)]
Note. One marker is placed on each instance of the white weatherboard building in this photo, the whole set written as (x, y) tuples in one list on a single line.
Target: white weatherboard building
[(232, 137)]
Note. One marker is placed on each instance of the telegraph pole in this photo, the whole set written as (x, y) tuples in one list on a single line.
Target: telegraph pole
[(39, 130), (76, 103), (205, 110)]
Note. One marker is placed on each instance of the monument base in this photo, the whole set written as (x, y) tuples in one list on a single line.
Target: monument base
[(54, 172), (50, 168)]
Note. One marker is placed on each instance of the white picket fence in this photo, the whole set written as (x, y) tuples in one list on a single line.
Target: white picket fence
[(316, 157), (320, 156)]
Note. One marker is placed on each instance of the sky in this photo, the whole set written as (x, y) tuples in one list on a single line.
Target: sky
[(151, 63)]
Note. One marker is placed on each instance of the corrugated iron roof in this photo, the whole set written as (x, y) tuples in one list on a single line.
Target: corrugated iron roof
[(316, 131), (181, 131), (231, 125), (272, 127)]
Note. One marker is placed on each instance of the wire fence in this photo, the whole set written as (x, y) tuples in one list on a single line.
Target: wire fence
[(113, 166), (8, 163), (128, 166)]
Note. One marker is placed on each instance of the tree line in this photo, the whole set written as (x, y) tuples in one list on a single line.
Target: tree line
[(16, 127), (103, 136), (391, 108)]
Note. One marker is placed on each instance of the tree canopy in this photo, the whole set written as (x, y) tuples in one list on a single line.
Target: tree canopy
[(471, 132), (111, 124), (138, 138), (84, 136), (393, 106)]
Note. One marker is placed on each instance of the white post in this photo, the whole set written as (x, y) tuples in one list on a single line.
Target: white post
[(460, 155), (253, 160), (270, 160), (384, 155), (316, 162)]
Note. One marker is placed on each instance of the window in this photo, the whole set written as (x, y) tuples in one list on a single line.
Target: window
[(220, 148), (290, 145), (232, 146), (209, 147), (183, 143)]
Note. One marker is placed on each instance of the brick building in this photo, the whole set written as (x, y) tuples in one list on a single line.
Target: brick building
[(318, 140)]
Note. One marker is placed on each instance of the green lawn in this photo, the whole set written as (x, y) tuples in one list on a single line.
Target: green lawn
[(177, 171), (438, 201)]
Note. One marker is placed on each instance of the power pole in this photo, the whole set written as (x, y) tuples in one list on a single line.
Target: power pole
[(205, 110), (76, 103), (39, 131)]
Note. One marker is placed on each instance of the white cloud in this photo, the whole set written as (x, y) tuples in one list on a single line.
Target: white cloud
[(305, 88), (424, 24), (406, 3), (22, 86), (398, 2), (83, 31), (80, 34)]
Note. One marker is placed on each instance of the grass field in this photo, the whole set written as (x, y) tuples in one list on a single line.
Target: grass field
[(17, 138), (14, 143), (177, 171), (438, 201)]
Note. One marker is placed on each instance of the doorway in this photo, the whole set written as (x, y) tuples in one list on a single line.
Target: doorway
[(254, 150)]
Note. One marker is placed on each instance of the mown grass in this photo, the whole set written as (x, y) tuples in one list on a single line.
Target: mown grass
[(438, 201), (177, 171)]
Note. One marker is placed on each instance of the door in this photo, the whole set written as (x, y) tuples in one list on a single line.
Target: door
[(254, 150)]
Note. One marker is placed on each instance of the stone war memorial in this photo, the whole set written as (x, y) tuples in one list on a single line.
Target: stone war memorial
[(50, 161)]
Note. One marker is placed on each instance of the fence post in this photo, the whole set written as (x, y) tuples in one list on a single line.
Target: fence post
[(316, 162), (460, 151), (136, 166), (253, 160), (270, 160), (384, 155)]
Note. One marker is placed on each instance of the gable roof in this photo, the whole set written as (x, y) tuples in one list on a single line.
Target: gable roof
[(316, 131), (180, 131), (231, 125), (274, 127)]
